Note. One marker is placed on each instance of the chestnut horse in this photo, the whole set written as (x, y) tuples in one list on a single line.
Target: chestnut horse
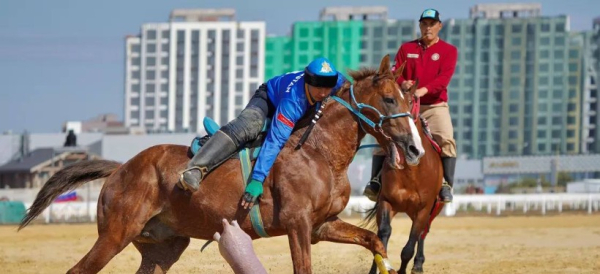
[(412, 189), (303, 194)]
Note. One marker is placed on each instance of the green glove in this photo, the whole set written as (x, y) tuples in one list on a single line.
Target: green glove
[(255, 188)]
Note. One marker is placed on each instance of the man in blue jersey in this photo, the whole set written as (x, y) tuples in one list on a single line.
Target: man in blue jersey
[(285, 99)]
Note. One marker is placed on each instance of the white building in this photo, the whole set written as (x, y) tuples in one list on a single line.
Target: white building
[(194, 66)]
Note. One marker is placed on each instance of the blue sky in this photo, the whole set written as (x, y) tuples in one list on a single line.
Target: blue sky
[(62, 60)]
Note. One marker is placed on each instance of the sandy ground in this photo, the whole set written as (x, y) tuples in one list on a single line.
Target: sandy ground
[(551, 244)]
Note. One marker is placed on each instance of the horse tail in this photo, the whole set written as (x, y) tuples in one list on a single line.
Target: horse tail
[(369, 222), (67, 179)]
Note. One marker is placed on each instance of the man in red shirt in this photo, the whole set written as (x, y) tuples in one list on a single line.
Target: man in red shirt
[(432, 61)]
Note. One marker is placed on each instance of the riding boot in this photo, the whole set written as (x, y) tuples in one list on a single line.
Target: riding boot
[(374, 185), (216, 150), (449, 164)]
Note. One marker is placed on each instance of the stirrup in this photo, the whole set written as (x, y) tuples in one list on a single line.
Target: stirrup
[(445, 184), (183, 185), (369, 193)]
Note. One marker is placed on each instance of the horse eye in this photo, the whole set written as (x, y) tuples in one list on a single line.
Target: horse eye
[(389, 100)]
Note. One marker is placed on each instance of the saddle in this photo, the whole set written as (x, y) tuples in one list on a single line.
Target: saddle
[(246, 154)]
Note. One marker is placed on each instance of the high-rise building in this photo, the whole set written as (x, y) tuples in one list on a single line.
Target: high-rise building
[(200, 63), (351, 37), (517, 85), (591, 97)]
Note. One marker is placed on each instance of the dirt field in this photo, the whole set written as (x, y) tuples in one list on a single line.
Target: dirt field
[(551, 244)]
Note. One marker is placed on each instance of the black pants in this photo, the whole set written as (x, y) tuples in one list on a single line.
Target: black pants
[(248, 125)]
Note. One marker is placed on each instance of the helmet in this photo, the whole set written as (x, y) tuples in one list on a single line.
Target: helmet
[(321, 73)]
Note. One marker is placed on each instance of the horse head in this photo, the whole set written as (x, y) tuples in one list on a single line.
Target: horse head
[(388, 113)]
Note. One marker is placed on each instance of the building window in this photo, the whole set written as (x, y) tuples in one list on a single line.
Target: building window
[(541, 134), (541, 121), (517, 28), (150, 61), (559, 54), (150, 74), (545, 27), (150, 48), (541, 147), (516, 41), (151, 34)]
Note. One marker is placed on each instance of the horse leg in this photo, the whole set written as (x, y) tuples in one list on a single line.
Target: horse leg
[(385, 213), (420, 257), (299, 240), (418, 226), (157, 258), (119, 222), (336, 230)]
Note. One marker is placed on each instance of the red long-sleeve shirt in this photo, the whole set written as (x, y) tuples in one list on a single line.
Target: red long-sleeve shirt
[(433, 67)]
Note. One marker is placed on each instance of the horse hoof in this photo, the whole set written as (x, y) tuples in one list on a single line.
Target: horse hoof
[(416, 271)]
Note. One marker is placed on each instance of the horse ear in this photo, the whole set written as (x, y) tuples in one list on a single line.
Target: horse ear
[(399, 70), (384, 67)]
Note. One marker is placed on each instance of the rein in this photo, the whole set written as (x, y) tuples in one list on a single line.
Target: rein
[(360, 106)]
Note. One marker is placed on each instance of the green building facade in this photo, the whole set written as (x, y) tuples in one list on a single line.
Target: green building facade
[(348, 44)]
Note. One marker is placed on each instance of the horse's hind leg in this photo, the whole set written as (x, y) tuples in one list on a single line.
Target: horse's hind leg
[(336, 230), (120, 220), (110, 242), (159, 257)]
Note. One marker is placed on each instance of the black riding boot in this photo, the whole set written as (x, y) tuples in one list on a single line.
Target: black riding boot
[(449, 164), (374, 185), (216, 150)]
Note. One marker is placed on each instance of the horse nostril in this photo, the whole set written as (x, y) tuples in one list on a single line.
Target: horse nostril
[(413, 150)]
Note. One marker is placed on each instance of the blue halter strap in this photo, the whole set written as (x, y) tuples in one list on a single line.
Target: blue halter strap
[(359, 106)]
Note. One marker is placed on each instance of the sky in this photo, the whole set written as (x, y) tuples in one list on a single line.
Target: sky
[(63, 60)]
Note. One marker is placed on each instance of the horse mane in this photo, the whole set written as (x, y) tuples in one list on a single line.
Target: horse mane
[(362, 74)]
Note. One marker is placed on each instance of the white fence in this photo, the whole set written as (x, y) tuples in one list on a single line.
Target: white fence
[(496, 204), (490, 204)]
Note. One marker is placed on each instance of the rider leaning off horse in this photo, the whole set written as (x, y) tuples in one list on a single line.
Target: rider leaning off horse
[(284, 99), (432, 61)]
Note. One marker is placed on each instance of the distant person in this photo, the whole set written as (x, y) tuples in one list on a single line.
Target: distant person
[(71, 140), (432, 61)]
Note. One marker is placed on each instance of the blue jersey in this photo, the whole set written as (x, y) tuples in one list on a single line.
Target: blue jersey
[(288, 95)]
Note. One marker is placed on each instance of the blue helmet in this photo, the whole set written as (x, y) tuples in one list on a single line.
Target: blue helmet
[(321, 73)]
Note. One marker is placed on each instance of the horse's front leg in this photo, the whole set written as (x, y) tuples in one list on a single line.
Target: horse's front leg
[(385, 214), (336, 230), (299, 240), (417, 229)]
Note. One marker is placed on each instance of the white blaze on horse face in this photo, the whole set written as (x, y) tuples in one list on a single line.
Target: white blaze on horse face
[(416, 137)]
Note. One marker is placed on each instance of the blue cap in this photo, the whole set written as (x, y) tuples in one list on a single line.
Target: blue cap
[(430, 14), (321, 73)]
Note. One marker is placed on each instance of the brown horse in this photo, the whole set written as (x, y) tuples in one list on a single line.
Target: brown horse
[(413, 190), (303, 194)]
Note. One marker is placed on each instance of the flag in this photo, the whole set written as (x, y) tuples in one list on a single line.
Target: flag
[(67, 197)]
